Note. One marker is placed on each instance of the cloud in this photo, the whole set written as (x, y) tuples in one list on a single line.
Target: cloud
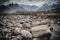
[(28, 2), (3, 1)]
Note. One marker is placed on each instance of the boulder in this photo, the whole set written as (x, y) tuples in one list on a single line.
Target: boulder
[(25, 33), (40, 30), (26, 25), (45, 21), (34, 23)]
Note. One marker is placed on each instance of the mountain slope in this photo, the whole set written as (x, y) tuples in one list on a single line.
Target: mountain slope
[(45, 7)]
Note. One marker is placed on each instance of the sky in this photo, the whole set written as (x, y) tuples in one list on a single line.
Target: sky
[(28, 2)]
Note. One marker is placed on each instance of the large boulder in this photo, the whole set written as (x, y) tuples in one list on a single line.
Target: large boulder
[(40, 30)]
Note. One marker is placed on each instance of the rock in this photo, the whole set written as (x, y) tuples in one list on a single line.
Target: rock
[(18, 24), (36, 39), (6, 30), (25, 33), (26, 25), (40, 30), (34, 23), (17, 30), (45, 21), (17, 37), (9, 24)]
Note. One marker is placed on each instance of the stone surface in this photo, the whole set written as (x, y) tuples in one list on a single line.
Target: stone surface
[(17, 30), (45, 21), (27, 25), (40, 30), (17, 27), (36, 39), (25, 33)]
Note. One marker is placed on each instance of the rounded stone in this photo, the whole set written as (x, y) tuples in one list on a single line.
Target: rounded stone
[(25, 33)]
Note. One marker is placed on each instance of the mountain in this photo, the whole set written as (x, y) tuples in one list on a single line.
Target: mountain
[(45, 7), (30, 8), (11, 8)]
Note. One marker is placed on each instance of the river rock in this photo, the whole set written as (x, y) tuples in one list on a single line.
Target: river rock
[(40, 30), (9, 24), (18, 24), (34, 23), (36, 39), (25, 33), (6, 30), (45, 21), (17, 30), (26, 25)]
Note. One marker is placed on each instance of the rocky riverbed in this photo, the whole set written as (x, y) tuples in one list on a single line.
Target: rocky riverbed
[(25, 27)]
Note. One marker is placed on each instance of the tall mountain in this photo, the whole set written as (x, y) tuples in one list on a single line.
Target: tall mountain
[(45, 7)]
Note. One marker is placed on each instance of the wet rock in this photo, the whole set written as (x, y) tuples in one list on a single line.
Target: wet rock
[(25, 33)]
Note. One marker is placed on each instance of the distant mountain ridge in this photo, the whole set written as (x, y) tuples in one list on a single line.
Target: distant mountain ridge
[(13, 8), (30, 8), (45, 7)]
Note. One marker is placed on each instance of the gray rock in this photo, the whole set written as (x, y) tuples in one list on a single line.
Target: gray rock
[(25, 33), (19, 37), (9, 24), (6, 30), (17, 30), (36, 39), (26, 25)]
